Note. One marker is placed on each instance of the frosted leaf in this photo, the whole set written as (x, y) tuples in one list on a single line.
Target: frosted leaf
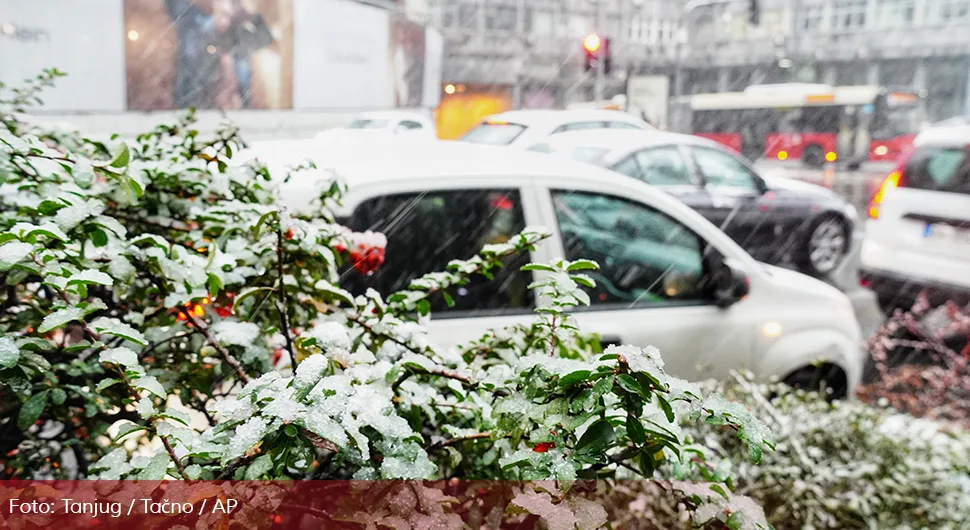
[(232, 409), (589, 514), (322, 425), (24, 230), (236, 333), (646, 360), (71, 216), (114, 465), (150, 384), (750, 428), (518, 457), (12, 253), (122, 356), (332, 336), (310, 371), (60, 317), (91, 276), (193, 471), (557, 517), (113, 326), (419, 360), (261, 382), (554, 365), (285, 409), (112, 225), (83, 172), (246, 436), (9, 353)]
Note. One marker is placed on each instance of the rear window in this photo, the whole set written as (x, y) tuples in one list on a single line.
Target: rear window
[(369, 124), (939, 169), (494, 133)]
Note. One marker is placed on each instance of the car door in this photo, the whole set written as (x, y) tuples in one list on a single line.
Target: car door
[(666, 167), (739, 204), (651, 282), (427, 229)]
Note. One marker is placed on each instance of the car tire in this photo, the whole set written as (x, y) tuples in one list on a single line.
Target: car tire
[(813, 156), (827, 378), (824, 245)]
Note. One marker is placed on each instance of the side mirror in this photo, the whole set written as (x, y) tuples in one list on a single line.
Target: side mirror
[(730, 284)]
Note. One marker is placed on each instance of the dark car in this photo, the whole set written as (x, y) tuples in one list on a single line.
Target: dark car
[(777, 220)]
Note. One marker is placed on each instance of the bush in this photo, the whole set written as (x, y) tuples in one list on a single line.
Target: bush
[(847, 464), (149, 284)]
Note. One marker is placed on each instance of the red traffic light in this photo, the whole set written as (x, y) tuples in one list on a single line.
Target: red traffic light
[(591, 43)]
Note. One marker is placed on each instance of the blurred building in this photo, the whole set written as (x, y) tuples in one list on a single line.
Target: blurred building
[(527, 53)]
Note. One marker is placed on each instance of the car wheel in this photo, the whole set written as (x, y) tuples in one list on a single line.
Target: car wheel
[(813, 156), (826, 378), (824, 246)]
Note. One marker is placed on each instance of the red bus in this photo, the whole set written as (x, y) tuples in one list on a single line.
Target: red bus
[(807, 122)]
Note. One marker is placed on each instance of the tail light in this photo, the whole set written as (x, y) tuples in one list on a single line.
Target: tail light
[(891, 183)]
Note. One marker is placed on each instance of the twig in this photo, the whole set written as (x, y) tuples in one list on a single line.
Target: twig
[(281, 303), (228, 357), (230, 470), (453, 441), (356, 319), (441, 373), (172, 455)]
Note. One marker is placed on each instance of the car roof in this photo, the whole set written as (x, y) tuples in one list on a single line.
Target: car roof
[(620, 142), (390, 115), (549, 117), (946, 135), (379, 162)]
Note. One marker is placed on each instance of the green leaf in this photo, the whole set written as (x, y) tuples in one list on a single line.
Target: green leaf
[(584, 280), (574, 377), (720, 491), (193, 471), (129, 428), (259, 467), (50, 207), (582, 264), (735, 521), (58, 396), (448, 299), (99, 238), (156, 469), (262, 220), (629, 384), (665, 405), (647, 463), (106, 383), (32, 409), (538, 267), (215, 285), (336, 292), (597, 437), (291, 430), (246, 293), (121, 158), (635, 430), (9, 353), (423, 307)]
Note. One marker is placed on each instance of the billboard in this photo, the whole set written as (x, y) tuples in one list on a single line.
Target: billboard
[(341, 52), (80, 38), (208, 54)]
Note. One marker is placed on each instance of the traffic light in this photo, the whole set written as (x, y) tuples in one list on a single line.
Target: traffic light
[(755, 12), (596, 48)]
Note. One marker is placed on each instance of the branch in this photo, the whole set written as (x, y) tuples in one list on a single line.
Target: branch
[(410, 370), (357, 319), (281, 303), (228, 357), (453, 441), (172, 455)]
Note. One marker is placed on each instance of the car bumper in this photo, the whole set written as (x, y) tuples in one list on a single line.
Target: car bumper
[(898, 290)]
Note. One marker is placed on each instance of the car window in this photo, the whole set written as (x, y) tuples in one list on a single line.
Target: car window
[(628, 166), (663, 166), (580, 126), (425, 231), (938, 169), (645, 256), (408, 124), (722, 169), (622, 125), (369, 124), (494, 133)]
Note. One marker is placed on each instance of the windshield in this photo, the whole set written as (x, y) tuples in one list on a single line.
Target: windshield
[(494, 133), (369, 124), (896, 121)]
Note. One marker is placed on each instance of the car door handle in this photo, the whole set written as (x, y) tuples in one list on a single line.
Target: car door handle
[(610, 340)]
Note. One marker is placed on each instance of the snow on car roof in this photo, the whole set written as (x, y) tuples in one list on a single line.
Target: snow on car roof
[(384, 162), (535, 117), (944, 135), (620, 142)]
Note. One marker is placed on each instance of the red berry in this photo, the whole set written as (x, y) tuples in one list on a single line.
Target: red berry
[(289, 234), (543, 447)]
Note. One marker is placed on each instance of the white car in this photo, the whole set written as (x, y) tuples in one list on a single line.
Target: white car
[(391, 122), (525, 128), (668, 277), (918, 232)]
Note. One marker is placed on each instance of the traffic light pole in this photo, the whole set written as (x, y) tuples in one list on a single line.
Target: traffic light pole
[(600, 78)]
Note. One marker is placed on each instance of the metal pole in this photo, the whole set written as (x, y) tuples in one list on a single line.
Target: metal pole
[(598, 88)]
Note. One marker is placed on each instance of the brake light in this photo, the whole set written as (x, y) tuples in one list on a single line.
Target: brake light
[(891, 183)]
